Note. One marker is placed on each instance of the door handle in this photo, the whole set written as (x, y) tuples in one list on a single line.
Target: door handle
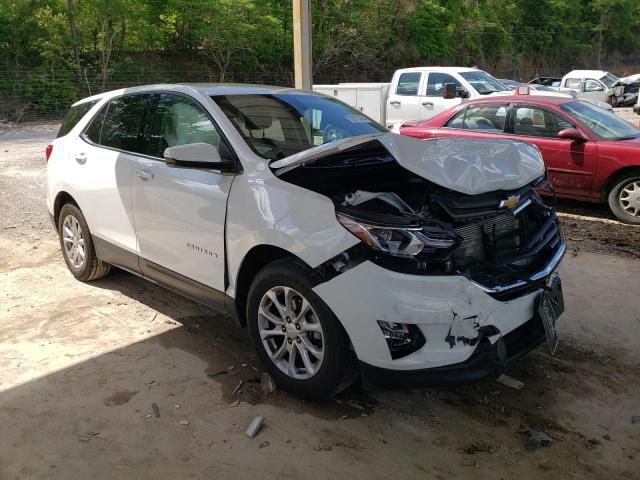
[(427, 104), (144, 175), (394, 103), (81, 158)]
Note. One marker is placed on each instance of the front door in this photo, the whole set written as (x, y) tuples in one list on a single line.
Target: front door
[(592, 90), (571, 165), (180, 212), (433, 103)]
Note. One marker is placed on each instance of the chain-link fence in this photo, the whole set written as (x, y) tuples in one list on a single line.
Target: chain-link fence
[(27, 95), (33, 95)]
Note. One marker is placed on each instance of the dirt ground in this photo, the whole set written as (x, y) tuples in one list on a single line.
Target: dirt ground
[(83, 365)]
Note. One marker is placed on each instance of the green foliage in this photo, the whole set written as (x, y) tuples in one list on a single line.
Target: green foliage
[(79, 45), (49, 94)]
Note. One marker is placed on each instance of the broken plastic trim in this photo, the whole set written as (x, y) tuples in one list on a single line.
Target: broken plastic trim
[(402, 338)]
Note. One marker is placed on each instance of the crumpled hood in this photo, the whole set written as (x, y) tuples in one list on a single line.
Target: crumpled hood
[(469, 166)]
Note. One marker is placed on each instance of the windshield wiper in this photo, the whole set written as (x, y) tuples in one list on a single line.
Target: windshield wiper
[(629, 137)]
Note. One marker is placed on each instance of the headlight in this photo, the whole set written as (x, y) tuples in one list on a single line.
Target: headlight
[(399, 241)]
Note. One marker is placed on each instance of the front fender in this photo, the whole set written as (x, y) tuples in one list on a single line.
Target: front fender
[(264, 210)]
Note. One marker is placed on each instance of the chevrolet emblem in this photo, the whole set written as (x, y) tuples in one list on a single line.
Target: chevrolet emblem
[(510, 201)]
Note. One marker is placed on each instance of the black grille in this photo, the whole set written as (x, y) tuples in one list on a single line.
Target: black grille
[(476, 235), (505, 249)]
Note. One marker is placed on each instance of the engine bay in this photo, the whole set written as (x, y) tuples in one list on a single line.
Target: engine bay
[(415, 226)]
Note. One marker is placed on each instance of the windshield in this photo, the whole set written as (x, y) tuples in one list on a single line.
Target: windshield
[(609, 79), (276, 126), (483, 82), (604, 124)]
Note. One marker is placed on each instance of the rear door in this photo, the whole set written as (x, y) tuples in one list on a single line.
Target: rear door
[(433, 102), (403, 102), (571, 165), (180, 212), (104, 161)]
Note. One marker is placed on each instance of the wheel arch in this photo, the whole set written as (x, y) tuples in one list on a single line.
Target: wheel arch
[(256, 259), (62, 198), (615, 177)]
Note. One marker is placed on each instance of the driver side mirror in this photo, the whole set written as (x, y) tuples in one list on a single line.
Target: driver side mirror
[(449, 91), (197, 155), (572, 134)]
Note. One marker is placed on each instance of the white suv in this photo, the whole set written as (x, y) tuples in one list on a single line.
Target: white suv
[(347, 250)]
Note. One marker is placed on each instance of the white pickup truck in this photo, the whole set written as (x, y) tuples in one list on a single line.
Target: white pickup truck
[(590, 85), (417, 93)]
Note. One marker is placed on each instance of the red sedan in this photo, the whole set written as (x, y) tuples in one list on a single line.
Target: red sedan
[(590, 153)]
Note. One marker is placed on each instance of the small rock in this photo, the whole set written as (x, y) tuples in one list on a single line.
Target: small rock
[(635, 419), (593, 443), (156, 409), (323, 447), (184, 422), (264, 444), (177, 405), (536, 439), (510, 381), (481, 446), (440, 441), (469, 461), (606, 436)]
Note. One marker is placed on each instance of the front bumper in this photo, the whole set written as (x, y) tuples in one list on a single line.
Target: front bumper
[(463, 323), (486, 359)]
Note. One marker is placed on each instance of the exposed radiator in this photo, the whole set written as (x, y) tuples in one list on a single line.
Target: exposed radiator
[(475, 234)]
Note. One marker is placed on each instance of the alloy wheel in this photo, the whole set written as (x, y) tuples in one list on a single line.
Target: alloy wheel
[(291, 332), (73, 240), (629, 198)]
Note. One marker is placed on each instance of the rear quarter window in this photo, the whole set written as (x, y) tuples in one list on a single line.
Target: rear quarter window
[(74, 115)]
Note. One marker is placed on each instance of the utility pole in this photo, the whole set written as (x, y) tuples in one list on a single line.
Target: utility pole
[(302, 43)]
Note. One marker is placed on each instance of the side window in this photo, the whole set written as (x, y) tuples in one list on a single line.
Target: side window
[(408, 83), (591, 85), (95, 127), (180, 121), (436, 82), (125, 123), (535, 122), (484, 118), (572, 83), (74, 115)]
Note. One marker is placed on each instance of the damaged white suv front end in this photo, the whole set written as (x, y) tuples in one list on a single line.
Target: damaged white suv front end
[(456, 251)]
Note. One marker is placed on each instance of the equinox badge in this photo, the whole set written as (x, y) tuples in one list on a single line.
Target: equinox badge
[(510, 202)]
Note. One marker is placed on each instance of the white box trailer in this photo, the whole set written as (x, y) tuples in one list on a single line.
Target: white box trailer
[(369, 98)]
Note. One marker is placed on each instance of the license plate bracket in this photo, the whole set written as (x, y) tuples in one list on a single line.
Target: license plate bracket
[(550, 307)]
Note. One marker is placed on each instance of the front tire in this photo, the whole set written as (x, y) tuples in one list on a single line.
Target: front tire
[(297, 337), (624, 199), (77, 245)]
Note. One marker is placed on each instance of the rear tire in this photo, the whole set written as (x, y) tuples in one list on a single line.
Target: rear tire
[(77, 245), (624, 198), (286, 319)]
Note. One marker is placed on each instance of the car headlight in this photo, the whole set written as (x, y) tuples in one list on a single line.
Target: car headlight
[(399, 241)]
